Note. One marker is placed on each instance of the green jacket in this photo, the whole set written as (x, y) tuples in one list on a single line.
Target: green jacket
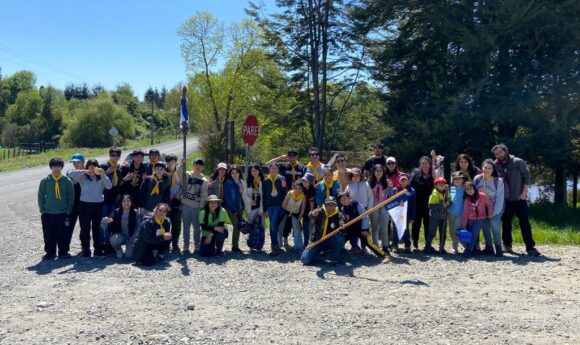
[(47, 201)]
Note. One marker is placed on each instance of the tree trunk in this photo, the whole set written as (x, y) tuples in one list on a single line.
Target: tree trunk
[(560, 186)]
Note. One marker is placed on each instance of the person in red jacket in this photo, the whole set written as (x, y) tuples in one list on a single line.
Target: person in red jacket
[(477, 207)]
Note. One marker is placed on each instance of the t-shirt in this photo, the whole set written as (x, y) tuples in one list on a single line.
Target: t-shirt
[(372, 161)]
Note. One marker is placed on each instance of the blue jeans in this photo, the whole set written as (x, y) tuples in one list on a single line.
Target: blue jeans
[(274, 215), (334, 244), (492, 226), (474, 226)]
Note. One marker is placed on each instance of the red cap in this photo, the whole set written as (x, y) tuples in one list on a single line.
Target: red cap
[(440, 179)]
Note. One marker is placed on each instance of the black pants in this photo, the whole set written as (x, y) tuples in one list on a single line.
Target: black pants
[(175, 219), (433, 225), (216, 245), (54, 232), (72, 222), (90, 215), (422, 215), (366, 241), (520, 209), (148, 258)]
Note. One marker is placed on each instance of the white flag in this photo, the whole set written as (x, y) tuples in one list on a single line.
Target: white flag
[(399, 217)]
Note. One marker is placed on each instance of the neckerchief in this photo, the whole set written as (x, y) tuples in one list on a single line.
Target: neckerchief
[(56, 186), (326, 217), (314, 169), (155, 189), (159, 221), (255, 189), (293, 172), (172, 177), (328, 187), (296, 197), (221, 185), (115, 176), (274, 192)]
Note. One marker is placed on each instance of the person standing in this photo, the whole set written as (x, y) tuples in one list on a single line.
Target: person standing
[(359, 191), (456, 208), (274, 191), (378, 158), (113, 171), (411, 212), (55, 202), (327, 187), (133, 175), (381, 191), (193, 201), (517, 178), (422, 183), (174, 200), (309, 204), (154, 158), (93, 181), (490, 184), (314, 166), (154, 190), (233, 191), (464, 163), (477, 207), (78, 162), (291, 171), (438, 205)]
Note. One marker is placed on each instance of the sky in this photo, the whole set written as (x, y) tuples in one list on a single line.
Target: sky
[(105, 42)]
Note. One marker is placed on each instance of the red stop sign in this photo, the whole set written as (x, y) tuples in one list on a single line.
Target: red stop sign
[(250, 130)]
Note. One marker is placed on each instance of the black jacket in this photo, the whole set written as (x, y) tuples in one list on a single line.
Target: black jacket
[(148, 235)]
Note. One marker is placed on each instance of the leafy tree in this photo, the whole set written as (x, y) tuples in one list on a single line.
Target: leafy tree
[(78, 91)]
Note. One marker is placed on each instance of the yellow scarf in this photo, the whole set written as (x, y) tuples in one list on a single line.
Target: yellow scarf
[(328, 187), (314, 169), (221, 185), (295, 196), (159, 221), (115, 176), (293, 172), (155, 189), (172, 178), (326, 217), (56, 186), (274, 192)]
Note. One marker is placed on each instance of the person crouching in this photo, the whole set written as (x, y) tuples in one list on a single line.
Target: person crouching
[(154, 237), (326, 219), (213, 233)]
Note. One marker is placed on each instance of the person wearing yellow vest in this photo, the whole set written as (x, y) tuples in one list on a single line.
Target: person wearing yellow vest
[(154, 190), (213, 232), (55, 202), (294, 204), (154, 236), (326, 219), (327, 187)]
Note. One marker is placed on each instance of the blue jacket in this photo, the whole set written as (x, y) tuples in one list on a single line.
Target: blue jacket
[(321, 192), (232, 196), (411, 203), (456, 205)]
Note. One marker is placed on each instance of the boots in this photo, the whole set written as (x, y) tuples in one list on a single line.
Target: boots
[(498, 250), (488, 250)]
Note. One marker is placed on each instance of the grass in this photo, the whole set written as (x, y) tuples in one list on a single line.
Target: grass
[(33, 160)]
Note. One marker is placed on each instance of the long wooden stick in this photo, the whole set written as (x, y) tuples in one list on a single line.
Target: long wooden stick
[(359, 217)]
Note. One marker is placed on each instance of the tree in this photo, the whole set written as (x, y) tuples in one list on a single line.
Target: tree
[(78, 91)]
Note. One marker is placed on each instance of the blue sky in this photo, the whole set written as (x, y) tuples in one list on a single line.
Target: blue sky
[(106, 41)]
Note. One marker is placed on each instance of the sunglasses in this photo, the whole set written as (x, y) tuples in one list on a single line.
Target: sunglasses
[(314, 154), (340, 160)]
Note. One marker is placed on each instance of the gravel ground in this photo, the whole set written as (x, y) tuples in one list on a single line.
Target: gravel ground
[(254, 299)]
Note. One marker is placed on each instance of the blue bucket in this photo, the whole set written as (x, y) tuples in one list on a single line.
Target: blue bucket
[(465, 237)]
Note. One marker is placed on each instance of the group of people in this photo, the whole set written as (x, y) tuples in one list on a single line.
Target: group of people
[(140, 210)]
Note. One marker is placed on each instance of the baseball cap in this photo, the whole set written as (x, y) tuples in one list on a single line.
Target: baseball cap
[(77, 157), (440, 179), (330, 200), (222, 165), (457, 174), (198, 161), (292, 152), (391, 159), (403, 176)]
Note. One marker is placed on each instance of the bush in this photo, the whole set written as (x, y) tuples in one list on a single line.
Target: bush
[(91, 121)]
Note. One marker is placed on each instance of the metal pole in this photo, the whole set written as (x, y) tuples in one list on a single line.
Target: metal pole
[(247, 161), (151, 122)]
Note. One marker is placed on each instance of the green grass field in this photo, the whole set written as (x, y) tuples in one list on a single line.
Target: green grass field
[(27, 161)]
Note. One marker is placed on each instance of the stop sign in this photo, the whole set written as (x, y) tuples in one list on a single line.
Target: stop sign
[(250, 130)]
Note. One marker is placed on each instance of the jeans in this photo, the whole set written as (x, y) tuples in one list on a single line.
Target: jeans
[(215, 247), (90, 214), (297, 234), (274, 215), (118, 240), (190, 215), (492, 226), (334, 244), (520, 209), (475, 227), (54, 232), (455, 222), (306, 231), (379, 221), (175, 219), (72, 222)]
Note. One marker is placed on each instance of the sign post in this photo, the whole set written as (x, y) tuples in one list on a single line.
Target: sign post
[(250, 131), (113, 132)]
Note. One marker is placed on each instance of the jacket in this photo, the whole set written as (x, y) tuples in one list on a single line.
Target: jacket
[(253, 194), (494, 189), (196, 189), (269, 199), (47, 200), (148, 201), (456, 197), (149, 234), (208, 226), (480, 210), (233, 196), (423, 186), (515, 174), (116, 227), (321, 192), (361, 192), (333, 223), (92, 188), (437, 204), (112, 195)]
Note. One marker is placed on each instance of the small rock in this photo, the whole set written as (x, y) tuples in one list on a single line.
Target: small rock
[(43, 304), (190, 306)]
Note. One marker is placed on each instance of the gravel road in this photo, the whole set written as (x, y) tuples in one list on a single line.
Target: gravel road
[(254, 299)]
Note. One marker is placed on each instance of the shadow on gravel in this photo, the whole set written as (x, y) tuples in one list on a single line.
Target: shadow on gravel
[(46, 267)]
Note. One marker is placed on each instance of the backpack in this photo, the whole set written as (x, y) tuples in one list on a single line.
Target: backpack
[(257, 235)]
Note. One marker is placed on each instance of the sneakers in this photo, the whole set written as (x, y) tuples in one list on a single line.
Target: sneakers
[(429, 250), (508, 249), (442, 251), (533, 252), (407, 250), (86, 254), (236, 250), (176, 250), (65, 256), (488, 250), (119, 254), (275, 251), (48, 257), (498, 251)]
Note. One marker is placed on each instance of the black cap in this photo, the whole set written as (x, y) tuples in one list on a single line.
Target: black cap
[(138, 152), (198, 161), (160, 164), (292, 152), (153, 151)]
